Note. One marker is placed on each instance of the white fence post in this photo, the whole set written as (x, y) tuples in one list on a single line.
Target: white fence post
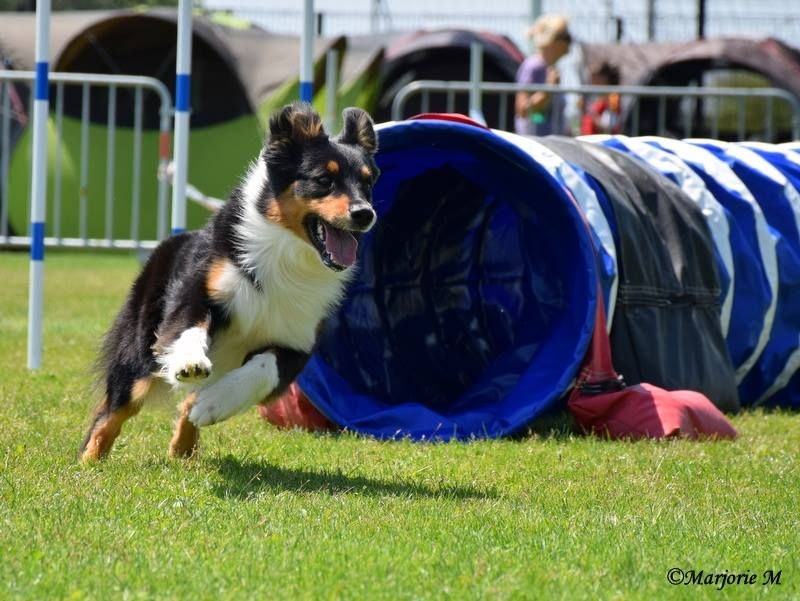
[(306, 53), (39, 185), (476, 79), (331, 88), (183, 84)]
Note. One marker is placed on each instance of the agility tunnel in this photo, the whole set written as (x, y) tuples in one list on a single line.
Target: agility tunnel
[(757, 188), (667, 328), (460, 322), (752, 270), (475, 298)]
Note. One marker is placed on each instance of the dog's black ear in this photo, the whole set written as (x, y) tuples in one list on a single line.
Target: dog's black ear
[(293, 124), (358, 129)]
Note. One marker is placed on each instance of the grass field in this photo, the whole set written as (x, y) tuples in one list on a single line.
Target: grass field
[(268, 514)]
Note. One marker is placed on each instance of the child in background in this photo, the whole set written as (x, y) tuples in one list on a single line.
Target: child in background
[(541, 113), (603, 114)]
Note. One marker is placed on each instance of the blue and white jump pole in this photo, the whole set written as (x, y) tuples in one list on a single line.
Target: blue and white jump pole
[(307, 53), (41, 111), (183, 80)]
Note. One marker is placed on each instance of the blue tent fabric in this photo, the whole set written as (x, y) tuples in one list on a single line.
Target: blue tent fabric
[(475, 299), (779, 200)]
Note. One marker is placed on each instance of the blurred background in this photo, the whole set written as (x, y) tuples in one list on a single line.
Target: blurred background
[(607, 20), (604, 21), (369, 53)]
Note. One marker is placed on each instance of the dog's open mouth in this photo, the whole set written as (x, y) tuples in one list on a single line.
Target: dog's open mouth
[(336, 247)]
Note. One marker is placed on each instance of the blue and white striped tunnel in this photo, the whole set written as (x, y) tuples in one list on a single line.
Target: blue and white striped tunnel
[(751, 265), (749, 195), (763, 168)]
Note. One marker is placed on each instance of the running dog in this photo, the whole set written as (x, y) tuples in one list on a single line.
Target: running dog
[(229, 314)]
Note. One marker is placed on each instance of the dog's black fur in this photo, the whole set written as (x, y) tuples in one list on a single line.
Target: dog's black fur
[(314, 196)]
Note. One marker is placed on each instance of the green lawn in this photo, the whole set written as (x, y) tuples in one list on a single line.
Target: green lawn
[(264, 514)]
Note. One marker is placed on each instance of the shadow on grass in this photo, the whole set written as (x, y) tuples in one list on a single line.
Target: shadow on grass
[(244, 478), (555, 425)]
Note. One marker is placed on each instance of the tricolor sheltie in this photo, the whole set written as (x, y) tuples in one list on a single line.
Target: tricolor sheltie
[(229, 314)]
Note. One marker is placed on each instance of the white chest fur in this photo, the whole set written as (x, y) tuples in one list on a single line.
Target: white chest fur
[(285, 312), (296, 292)]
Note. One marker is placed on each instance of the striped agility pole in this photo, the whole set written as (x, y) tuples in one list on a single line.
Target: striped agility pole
[(183, 80), (41, 111), (306, 53)]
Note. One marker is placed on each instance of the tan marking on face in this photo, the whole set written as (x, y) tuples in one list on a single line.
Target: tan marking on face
[(289, 211), (365, 172), (331, 208), (186, 437), (107, 428), (332, 167)]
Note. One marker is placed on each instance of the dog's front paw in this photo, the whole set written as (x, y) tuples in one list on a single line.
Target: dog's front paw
[(209, 408), (194, 371), (218, 402), (235, 391), (185, 361)]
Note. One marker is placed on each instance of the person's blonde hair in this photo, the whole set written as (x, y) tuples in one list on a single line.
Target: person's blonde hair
[(549, 28)]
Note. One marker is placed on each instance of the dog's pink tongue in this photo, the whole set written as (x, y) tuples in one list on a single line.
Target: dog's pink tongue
[(341, 245)]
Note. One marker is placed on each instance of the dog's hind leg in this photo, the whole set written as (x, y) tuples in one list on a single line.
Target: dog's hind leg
[(187, 435), (123, 400)]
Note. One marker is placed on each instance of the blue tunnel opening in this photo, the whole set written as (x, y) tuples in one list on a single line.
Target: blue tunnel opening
[(475, 296)]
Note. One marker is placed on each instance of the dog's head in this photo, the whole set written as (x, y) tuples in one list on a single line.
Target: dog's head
[(322, 187)]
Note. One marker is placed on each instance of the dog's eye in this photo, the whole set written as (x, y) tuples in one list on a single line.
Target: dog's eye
[(324, 180)]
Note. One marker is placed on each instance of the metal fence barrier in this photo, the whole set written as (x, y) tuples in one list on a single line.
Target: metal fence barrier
[(736, 114), (142, 92), (670, 110)]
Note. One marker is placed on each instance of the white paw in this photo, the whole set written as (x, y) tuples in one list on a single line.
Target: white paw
[(193, 371), (216, 404), (186, 362), (235, 391)]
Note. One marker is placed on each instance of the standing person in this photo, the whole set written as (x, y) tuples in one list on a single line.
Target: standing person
[(603, 114), (542, 113)]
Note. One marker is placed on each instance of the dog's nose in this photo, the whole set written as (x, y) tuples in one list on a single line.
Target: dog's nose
[(362, 217)]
